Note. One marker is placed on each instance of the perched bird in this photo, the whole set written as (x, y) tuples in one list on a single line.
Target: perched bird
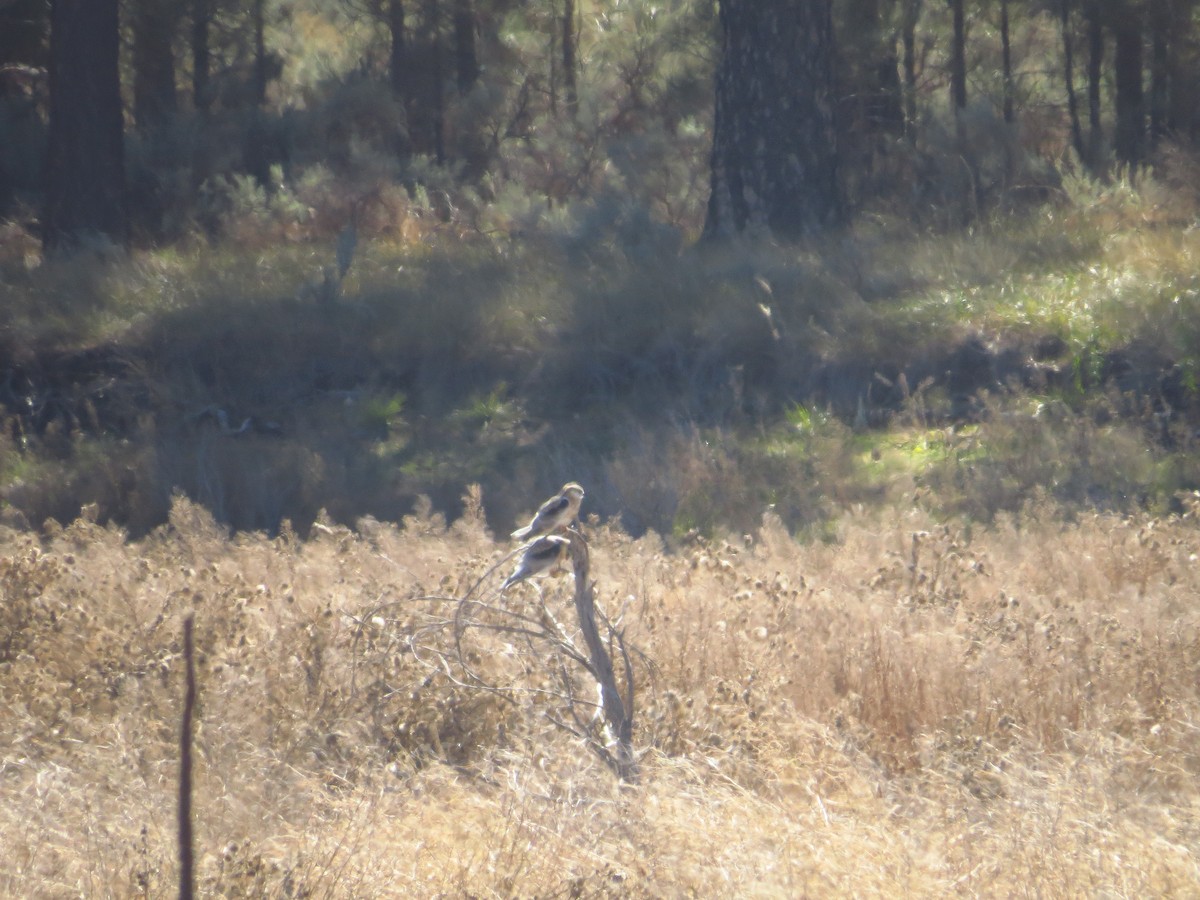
[(557, 512), (540, 556)]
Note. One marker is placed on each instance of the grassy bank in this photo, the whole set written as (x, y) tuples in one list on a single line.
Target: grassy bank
[(689, 386)]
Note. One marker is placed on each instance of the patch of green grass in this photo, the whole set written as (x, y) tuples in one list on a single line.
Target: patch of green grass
[(382, 416), (900, 454), (493, 410)]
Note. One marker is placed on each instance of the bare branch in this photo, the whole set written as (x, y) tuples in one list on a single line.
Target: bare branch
[(442, 636), (618, 716)]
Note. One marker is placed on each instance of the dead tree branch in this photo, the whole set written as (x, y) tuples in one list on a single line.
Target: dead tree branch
[(617, 710), (456, 639)]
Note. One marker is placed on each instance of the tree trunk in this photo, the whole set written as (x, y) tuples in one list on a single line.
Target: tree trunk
[(260, 54), (201, 55), (568, 52), (465, 60), (1006, 63), (436, 101), (1069, 77), (1160, 42), (187, 849), (396, 53), (774, 160), (1183, 79), (908, 37), (958, 58), (1094, 72), (552, 77), (153, 62), (1181, 71), (1129, 139), (617, 710), (85, 159)]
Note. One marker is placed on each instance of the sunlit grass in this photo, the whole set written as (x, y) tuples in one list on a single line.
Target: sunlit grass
[(903, 706)]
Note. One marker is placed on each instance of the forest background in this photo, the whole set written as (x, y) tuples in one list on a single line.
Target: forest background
[(898, 511)]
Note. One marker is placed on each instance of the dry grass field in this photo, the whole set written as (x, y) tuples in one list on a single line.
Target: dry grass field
[(904, 709)]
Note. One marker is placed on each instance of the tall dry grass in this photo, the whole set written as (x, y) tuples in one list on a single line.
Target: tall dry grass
[(907, 709)]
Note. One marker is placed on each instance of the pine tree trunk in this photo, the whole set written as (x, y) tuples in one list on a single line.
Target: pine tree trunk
[(153, 62), (436, 101), (1006, 63), (908, 38), (260, 54), (396, 51), (958, 58), (1094, 72), (568, 52), (1069, 78), (1182, 77), (201, 55), (85, 162), (466, 62), (1129, 139), (1159, 67), (774, 161)]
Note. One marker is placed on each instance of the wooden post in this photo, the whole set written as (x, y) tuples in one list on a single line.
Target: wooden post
[(187, 879)]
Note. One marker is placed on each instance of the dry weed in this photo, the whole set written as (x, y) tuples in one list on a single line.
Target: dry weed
[(910, 709)]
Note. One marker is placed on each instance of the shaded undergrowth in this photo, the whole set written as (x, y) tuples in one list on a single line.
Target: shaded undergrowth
[(694, 387)]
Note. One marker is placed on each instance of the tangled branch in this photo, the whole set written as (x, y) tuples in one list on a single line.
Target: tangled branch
[(446, 636)]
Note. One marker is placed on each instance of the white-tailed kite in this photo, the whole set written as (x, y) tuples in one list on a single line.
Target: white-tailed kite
[(557, 512), (540, 556)]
